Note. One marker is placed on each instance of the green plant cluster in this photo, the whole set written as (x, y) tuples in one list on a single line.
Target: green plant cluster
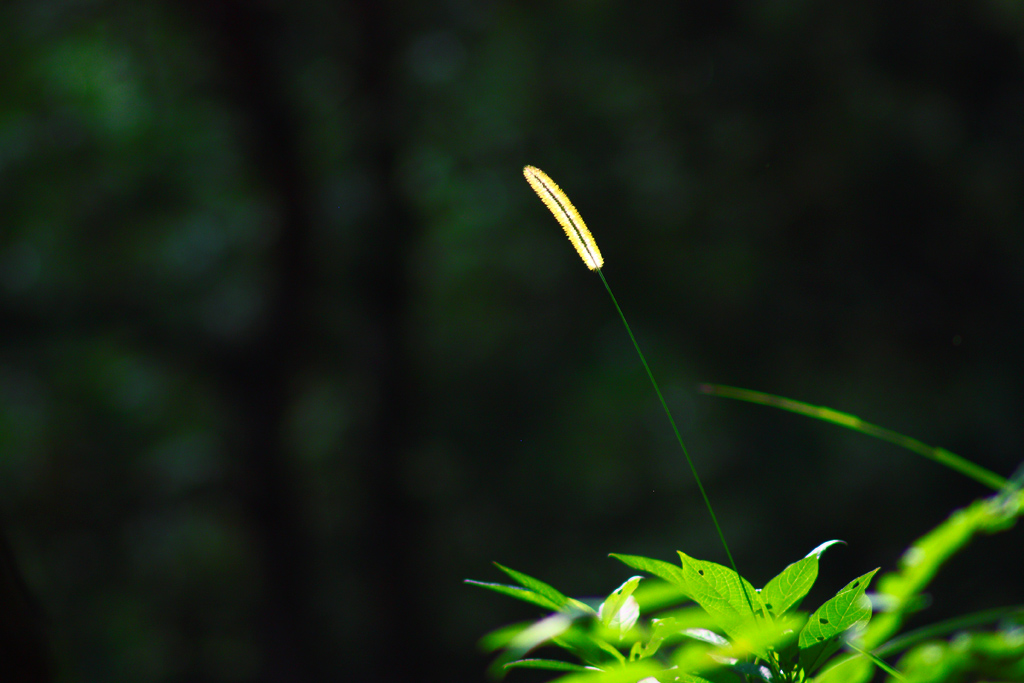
[(649, 632), (733, 629)]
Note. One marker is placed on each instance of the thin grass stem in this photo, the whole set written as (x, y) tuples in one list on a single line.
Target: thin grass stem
[(679, 438)]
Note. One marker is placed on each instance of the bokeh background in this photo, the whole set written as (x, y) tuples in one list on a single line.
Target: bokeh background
[(288, 348)]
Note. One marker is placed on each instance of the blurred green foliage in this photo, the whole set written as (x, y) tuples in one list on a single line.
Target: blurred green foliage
[(288, 348)]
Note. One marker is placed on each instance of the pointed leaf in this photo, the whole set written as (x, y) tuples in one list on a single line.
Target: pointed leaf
[(590, 649), (660, 629), (549, 664), (573, 603), (610, 649), (787, 589), (614, 603), (625, 619), (706, 635), (720, 591), (517, 593), (663, 570), (536, 586), (821, 636)]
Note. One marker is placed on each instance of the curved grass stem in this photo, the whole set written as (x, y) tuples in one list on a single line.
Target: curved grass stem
[(939, 455)]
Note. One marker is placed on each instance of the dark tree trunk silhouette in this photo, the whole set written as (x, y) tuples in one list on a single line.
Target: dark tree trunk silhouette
[(256, 377), (390, 546)]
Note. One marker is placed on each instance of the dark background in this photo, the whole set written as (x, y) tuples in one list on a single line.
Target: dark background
[(288, 348)]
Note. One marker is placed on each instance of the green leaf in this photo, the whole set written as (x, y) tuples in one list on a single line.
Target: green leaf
[(786, 590), (536, 586), (756, 671), (517, 593), (673, 625), (589, 648), (663, 570), (630, 673), (655, 594), (852, 669), (549, 664), (501, 637), (610, 649), (720, 591), (660, 629), (581, 607), (612, 608), (821, 636), (535, 635)]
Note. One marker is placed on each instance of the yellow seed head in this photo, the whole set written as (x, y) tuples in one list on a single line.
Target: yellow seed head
[(567, 215)]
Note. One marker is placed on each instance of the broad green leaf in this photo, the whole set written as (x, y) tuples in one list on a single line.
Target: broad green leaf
[(720, 591), (786, 590), (517, 593), (820, 637), (536, 586), (549, 664), (611, 609)]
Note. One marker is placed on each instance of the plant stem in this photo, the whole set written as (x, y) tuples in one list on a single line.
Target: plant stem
[(679, 438)]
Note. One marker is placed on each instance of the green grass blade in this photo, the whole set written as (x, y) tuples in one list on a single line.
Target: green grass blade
[(939, 455), (547, 664), (518, 593), (536, 586), (661, 569)]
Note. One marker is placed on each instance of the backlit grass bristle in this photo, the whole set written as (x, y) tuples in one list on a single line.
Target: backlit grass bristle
[(567, 215)]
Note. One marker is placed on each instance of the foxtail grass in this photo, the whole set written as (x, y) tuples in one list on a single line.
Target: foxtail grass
[(579, 235)]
